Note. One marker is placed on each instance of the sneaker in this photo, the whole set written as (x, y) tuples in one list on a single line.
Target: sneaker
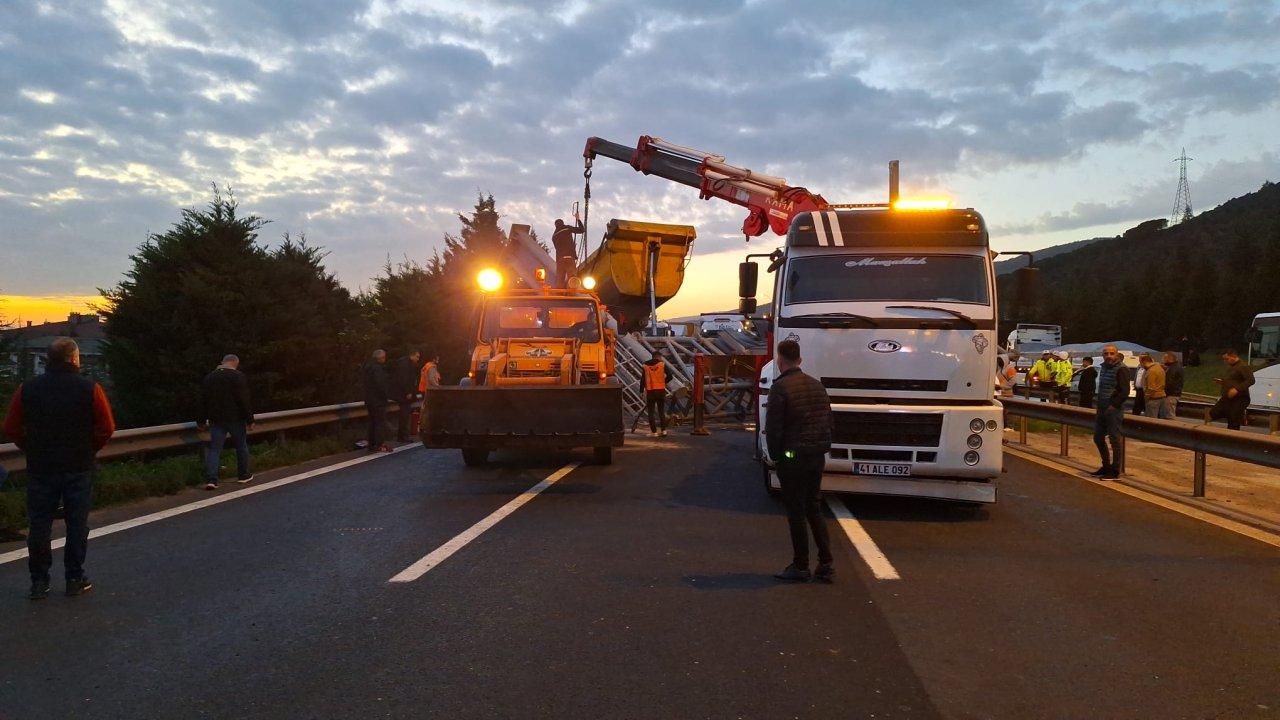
[(662, 434), (1100, 472), (211, 486), (79, 587), (824, 573), (39, 589), (793, 574), (246, 479)]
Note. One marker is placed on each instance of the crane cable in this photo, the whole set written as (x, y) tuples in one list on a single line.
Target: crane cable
[(586, 206)]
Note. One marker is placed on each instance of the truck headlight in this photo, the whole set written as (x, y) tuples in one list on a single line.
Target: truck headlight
[(974, 441), (992, 424), (971, 457), (976, 425)]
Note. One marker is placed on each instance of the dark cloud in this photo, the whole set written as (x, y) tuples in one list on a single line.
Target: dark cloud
[(370, 125)]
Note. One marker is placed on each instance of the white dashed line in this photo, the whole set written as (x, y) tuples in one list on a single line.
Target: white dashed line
[(442, 553), (862, 542)]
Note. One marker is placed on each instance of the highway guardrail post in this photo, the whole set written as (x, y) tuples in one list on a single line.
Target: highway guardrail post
[(1197, 481), (1064, 442), (1124, 455), (1275, 424), (1022, 429)]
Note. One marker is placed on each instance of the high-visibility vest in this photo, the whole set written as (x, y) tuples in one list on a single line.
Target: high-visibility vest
[(655, 376), (424, 379), (1064, 373)]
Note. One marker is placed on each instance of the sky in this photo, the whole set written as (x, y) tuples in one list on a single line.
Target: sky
[(369, 125)]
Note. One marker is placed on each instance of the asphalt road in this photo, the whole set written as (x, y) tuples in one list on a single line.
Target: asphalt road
[(644, 590)]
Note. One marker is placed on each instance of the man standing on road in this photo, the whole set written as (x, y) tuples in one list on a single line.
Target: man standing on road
[(60, 420), (1173, 379), (798, 434), (1088, 382), (224, 396), (1113, 391), (404, 384), (1062, 378), (1041, 372), (1139, 389), (377, 393), (655, 395), (1154, 386), (430, 375), (1234, 400)]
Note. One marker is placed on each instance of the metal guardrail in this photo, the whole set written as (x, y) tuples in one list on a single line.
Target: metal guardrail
[(1190, 405), (1202, 440), (133, 441)]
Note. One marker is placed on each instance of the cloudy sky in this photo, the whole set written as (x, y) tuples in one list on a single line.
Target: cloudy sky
[(368, 125)]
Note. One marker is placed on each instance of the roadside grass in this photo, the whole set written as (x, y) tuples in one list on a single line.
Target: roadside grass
[(1200, 379), (121, 481), (1044, 426)]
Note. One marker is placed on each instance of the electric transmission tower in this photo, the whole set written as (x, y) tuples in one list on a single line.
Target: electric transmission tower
[(1182, 200)]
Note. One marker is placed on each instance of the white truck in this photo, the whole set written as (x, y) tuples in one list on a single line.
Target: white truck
[(895, 312)]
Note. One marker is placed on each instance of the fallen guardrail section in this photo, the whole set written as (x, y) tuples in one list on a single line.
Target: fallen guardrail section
[(133, 441), (1202, 440)]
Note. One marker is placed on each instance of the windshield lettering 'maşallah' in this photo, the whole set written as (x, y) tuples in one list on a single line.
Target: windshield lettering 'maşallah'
[(890, 278)]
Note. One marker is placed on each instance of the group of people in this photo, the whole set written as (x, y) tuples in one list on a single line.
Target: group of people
[(1053, 371), (402, 385)]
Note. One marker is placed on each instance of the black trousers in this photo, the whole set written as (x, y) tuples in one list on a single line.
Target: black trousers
[(404, 416), (1230, 409), (1086, 400), (655, 402), (377, 425), (1139, 401), (44, 491), (801, 480)]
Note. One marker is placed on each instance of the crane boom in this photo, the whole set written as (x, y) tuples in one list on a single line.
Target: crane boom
[(771, 202)]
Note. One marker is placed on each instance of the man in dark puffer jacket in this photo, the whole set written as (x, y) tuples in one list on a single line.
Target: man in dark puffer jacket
[(798, 433)]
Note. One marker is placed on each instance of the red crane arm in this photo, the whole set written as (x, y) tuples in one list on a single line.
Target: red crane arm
[(770, 201)]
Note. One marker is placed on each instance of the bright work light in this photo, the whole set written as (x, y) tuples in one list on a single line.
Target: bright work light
[(588, 283), (489, 280), (922, 204)]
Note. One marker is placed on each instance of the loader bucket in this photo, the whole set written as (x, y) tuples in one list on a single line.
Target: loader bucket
[(530, 417)]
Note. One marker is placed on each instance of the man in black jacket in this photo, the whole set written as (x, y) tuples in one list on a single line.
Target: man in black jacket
[(1088, 382), (377, 393), (404, 385), (1174, 378), (798, 434), (225, 411), (1234, 400), (1113, 391)]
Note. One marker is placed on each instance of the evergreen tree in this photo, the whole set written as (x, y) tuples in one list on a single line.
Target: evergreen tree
[(206, 288)]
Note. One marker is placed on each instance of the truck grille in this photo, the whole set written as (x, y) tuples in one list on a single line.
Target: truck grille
[(839, 383), (893, 429)]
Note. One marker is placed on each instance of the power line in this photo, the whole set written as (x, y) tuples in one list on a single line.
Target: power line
[(1182, 199)]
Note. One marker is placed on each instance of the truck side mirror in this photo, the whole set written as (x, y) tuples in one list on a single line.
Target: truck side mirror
[(748, 272), (1026, 283), (746, 306)]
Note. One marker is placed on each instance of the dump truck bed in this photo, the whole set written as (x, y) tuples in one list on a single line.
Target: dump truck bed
[(620, 267)]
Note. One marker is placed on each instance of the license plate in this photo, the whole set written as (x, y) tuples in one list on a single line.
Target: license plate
[(866, 468)]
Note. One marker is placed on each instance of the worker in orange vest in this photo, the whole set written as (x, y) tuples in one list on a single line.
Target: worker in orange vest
[(430, 375), (655, 395)]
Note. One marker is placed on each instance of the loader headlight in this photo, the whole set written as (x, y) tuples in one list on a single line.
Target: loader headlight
[(588, 283), (971, 457), (976, 425), (489, 279), (974, 441)]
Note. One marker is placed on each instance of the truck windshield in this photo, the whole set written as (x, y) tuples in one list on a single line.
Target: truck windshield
[(541, 319), (889, 277)]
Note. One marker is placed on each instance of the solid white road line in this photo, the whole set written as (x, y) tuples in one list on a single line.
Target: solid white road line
[(215, 500), (862, 542), (1234, 526), (442, 553)]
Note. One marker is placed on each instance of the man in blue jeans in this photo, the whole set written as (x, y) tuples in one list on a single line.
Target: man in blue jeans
[(60, 420), (1113, 391), (226, 412)]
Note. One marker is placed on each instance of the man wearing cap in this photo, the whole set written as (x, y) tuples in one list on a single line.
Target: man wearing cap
[(1062, 377), (1041, 372)]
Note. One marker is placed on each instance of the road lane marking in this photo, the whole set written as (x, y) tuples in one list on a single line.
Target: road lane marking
[(1181, 508), (209, 502), (862, 542), (442, 553)]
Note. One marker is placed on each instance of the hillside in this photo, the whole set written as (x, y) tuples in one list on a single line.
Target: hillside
[(1007, 266), (1204, 279)]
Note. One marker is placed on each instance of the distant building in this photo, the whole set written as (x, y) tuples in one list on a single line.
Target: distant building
[(27, 347)]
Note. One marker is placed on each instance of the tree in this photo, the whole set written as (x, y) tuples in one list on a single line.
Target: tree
[(206, 288)]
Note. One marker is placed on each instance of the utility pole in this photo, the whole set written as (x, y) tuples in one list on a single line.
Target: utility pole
[(1182, 200)]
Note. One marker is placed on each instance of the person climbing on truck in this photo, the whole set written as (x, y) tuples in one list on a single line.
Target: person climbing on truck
[(566, 246)]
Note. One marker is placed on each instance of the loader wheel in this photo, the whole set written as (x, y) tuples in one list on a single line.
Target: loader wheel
[(475, 456), (603, 455)]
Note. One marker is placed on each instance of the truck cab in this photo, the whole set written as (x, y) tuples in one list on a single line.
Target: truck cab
[(541, 337), (895, 313)]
